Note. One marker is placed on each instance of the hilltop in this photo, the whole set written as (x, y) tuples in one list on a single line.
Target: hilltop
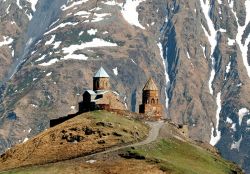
[(106, 142), (82, 135)]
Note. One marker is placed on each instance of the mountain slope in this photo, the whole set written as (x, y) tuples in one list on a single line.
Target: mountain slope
[(172, 152), (85, 134), (197, 50)]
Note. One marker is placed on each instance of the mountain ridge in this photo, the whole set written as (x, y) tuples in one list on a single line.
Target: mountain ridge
[(202, 70)]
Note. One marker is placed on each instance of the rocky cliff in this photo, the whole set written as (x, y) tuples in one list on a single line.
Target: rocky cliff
[(197, 51)]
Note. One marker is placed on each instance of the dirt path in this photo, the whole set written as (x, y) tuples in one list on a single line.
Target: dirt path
[(152, 136)]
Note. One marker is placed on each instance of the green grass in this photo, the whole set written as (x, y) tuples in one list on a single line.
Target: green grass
[(179, 157)]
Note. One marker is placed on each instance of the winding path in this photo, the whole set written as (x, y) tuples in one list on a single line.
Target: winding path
[(152, 136)]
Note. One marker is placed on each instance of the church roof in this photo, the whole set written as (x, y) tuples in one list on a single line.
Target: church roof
[(150, 85), (101, 73), (91, 92)]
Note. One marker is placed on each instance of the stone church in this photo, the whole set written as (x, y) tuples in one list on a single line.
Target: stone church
[(101, 97), (151, 106)]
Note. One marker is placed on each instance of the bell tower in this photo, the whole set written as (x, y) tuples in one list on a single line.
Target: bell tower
[(101, 80), (150, 101)]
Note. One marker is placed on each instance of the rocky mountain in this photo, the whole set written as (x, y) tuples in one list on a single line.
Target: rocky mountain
[(196, 50)]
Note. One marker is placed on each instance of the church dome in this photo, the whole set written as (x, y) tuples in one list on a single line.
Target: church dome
[(150, 85)]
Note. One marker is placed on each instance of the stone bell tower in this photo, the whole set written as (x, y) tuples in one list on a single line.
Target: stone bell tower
[(150, 101), (101, 80)]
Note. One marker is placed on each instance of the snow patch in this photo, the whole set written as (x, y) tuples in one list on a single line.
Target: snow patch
[(229, 120), (64, 7), (233, 127), (204, 50), (96, 42), (33, 4), (112, 3), (228, 67), (51, 40), (18, 4), (188, 55), (41, 58), (92, 31), (99, 17), (165, 71), (133, 61), (236, 145), (52, 61), (25, 140), (211, 38), (115, 70), (57, 44), (62, 25), (130, 13), (82, 14), (6, 41), (248, 122), (73, 107), (8, 9), (242, 113), (49, 74), (230, 42), (238, 85), (241, 29), (214, 139)]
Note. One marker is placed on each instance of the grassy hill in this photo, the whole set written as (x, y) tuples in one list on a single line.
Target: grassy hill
[(176, 157), (85, 134), (171, 153)]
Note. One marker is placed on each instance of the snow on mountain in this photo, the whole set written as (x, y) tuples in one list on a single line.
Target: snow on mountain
[(73, 4), (50, 62), (236, 144), (18, 4), (164, 61), (6, 41), (130, 13), (242, 112), (241, 29), (115, 70), (51, 40), (215, 138), (62, 25), (33, 4), (211, 38)]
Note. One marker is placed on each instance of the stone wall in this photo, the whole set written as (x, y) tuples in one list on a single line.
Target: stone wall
[(109, 98)]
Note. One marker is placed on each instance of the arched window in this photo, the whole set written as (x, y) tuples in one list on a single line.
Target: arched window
[(153, 101), (157, 101)]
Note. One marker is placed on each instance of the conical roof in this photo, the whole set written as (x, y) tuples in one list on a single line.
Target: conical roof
[(150, 85), (101, 73)]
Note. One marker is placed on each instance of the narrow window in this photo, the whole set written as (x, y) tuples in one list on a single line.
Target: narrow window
[(153, 101), (97, 84)]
